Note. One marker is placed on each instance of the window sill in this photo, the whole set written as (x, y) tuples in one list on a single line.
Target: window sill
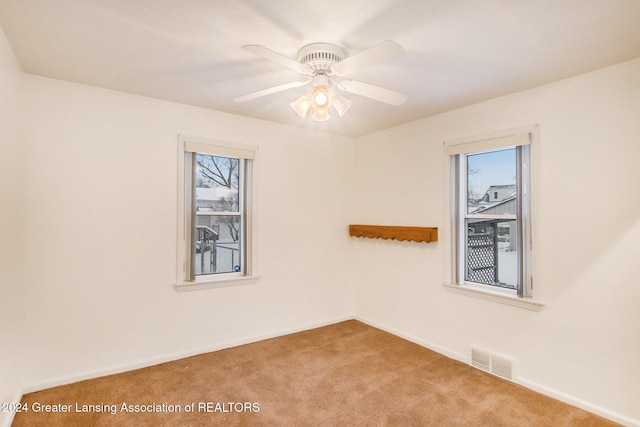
[(494, 296), (216, 283)]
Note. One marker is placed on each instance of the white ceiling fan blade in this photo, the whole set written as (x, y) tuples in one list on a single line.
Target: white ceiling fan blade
[(278, 58), (374, 92), (269, 91), (382, 52)]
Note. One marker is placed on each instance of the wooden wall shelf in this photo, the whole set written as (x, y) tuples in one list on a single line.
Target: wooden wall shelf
[(414, 234)]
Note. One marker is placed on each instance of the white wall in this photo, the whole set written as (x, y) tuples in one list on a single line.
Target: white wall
[(583, 346), (100, 246), (10, 225), (88, 190)]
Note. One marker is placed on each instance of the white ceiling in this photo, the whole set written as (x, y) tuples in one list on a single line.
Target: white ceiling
[(458, 52)]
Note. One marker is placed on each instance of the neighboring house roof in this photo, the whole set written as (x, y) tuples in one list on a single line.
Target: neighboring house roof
[(501, 187), (495, 196), (493, 206)]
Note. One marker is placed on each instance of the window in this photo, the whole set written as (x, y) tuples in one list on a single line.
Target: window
[(215, 244), (491, 205)]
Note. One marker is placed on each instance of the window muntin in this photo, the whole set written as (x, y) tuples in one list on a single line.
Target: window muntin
[(491, 210)]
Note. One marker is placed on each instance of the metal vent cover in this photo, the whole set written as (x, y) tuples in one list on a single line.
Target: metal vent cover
[(481, 360), (502, 367), (497, 365)]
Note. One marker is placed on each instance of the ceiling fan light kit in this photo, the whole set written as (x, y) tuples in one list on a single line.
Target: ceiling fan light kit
[(320, 100), (340, 103), (320, 95), (320, 115), (301, 105), (321, 62)]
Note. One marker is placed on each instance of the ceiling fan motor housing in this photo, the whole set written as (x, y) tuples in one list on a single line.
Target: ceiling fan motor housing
[(320, 56)]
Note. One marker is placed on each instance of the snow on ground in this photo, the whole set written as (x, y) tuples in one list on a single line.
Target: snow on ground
[(507, 264)]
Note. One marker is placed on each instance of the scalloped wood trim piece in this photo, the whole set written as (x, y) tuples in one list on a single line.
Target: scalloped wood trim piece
[(414, 234)]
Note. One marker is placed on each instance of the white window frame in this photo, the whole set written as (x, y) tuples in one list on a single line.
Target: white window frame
[(188, 146), (522, 139)]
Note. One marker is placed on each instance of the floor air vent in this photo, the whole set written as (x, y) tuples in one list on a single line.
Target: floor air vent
[(481, 359), (497, 365)]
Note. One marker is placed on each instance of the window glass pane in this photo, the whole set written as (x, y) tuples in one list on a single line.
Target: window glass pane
[(217, 244), (491, 252), (217, 183), (491, 182)]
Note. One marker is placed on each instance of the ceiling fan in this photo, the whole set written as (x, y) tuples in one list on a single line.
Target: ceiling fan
[(325, 66)]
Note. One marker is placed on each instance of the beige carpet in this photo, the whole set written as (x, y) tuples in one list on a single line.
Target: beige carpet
[(347, 374)]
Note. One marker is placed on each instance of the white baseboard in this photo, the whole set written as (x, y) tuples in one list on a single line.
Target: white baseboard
[(547, 391), (574, 401), (431, 346), (143, 363)]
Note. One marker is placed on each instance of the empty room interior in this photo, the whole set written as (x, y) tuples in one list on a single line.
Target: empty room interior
[(185, 177)]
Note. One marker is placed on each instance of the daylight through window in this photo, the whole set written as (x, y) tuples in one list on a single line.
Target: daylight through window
[(216, 221), (491, 187), (217, 244)]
